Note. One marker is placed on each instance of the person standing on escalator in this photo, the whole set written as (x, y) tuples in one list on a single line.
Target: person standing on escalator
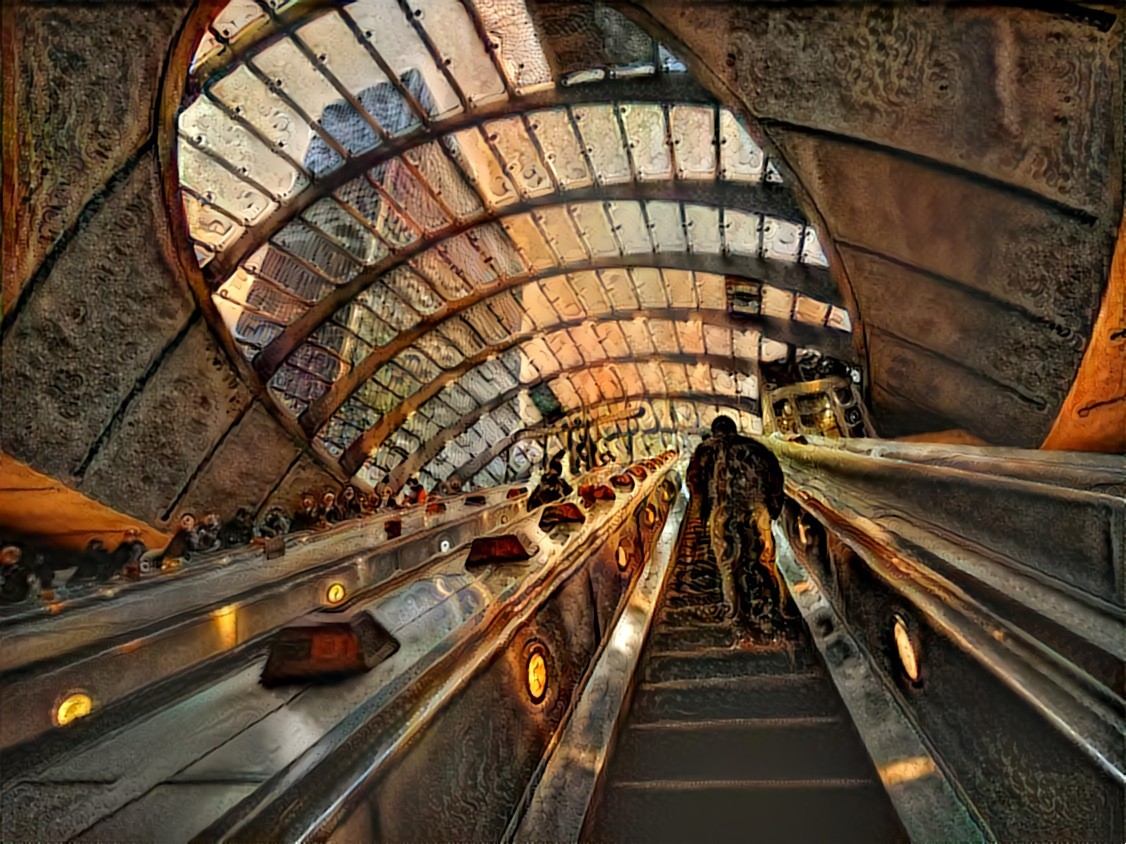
[(740, 487)]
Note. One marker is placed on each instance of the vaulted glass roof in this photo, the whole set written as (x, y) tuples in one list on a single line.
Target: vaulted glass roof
[(425, 221)]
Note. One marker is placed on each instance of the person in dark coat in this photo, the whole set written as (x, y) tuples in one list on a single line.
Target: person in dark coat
[(207, 535), (552, 486), (94, 566), (238, 530), (308, 516), (17, 581), (274, 524), (331, 512), (742, 490), (184, 541), (350, 504), (127, 555)]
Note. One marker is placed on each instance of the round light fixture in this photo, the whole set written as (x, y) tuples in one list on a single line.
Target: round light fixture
[(906, 649), (336, 593), (73, 706), (623, 558), (650, 515), (537, 674), (444, 546)]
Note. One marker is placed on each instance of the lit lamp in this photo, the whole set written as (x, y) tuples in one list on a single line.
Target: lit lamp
[(905, 648), (73, 707), (537, 674), (336, 593)]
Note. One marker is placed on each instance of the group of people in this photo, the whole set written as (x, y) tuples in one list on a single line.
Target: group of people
[(737, 485), (25, 574)]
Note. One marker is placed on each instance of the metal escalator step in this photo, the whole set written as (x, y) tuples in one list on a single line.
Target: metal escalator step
[(819, 748), (765, 696), (697, 636), (779, 812), (701, 663)]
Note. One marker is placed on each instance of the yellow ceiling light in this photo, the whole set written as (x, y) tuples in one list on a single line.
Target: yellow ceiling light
[(905, 648), (623, 558), (73, 706), (537, 674), (336, 593)]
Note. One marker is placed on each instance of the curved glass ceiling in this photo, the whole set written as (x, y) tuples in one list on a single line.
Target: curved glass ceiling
[(424, 221)]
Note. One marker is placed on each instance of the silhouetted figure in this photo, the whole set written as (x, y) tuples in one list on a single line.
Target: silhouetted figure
[(239, 530), (184, 541), (274, 524), (740, 485), (350, 504), (552, 485), (94, 566), (207, 535), (414, 493), (386, 496), (127, 555), (331, 513), (450, 486), (373, 502), (308, 516), (17, 581)]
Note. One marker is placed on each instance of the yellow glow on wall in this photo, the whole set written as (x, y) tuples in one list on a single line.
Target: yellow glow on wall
[(226, 620), (907, 770), (537, 675), (623, 558), (336, 593), (73, 707), (908, 657)]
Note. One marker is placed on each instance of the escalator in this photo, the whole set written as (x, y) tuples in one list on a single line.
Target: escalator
[(734, 734)]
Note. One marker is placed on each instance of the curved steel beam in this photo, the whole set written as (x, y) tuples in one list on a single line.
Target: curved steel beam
[(471, 467), (830, 341), (810, 280), (354, 457), (661, 88), (791, 332)]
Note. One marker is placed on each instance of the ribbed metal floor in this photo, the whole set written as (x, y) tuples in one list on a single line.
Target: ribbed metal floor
[(734, 737)]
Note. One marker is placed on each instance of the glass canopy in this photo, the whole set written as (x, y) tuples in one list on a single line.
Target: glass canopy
[(434, 225)]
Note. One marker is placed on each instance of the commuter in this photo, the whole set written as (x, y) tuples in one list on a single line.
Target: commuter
[(94, 566), (17, 582), (450, 486), (129, 551), (351, 506), (184, 541), (387, 495), (373, 501), (274, 524), (238, 530), (415, 493), (308, 516), (331, 513), (207, 535), (552, 485)]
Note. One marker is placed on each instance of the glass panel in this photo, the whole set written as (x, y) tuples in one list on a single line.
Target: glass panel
[(592, 291), (411, 195), (631, 226), (480, 166), (346, 344), (537, 305), (439, 349), (384, 25), (456, 39), (645, 126), (712, 291), (387, 306), (693, 137), (433, 267), (494, 243), (520, 156), (780, 239), (336, 47), (564, 349), (311, 248), (664, 335), (287, 272), (360, 195), (459, 332), (602, 138), (650, 288), (237, 16), (561, 147), (741, 160), (717, 340), (209, 225), (811, 311), (333, 222), (445, 180), (745, 343), (703, 228), (618, 289), (681, 286), (668, 229), (636, 331), (365, 324), (401, 382), (510, 27), (219, 186), (409, 287), (839, 319), (772, 350), (525, 234), (595, 228), (811, 252), (742, 232), (559, 292), (296, 77), (690, 336), (376, 396), (464, 257), (275, 118), (561, 233)]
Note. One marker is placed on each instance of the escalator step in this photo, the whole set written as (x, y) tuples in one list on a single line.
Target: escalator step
[(769, 696), (777, 812), (727, 662), (757, 749), (668, 638)]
